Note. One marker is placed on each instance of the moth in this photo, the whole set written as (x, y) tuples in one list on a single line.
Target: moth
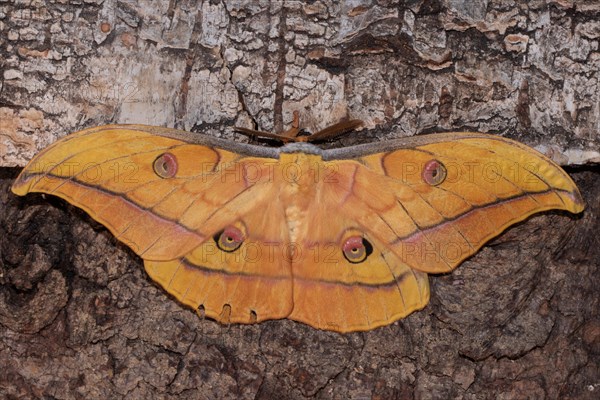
[(340, 239)]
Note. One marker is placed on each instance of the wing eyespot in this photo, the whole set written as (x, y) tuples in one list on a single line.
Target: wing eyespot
[(229, 239), (357, 249), (434, 172), (165, 165)]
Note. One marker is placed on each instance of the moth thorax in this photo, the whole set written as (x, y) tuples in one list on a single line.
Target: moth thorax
[(294, 217)]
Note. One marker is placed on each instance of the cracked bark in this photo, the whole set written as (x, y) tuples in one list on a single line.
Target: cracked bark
[(78, 315)]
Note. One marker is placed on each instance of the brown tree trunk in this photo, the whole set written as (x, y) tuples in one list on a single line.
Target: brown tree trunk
[(79, 318)]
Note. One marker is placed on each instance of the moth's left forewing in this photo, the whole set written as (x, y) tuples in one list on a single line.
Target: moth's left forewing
[(111, 172), (108, 172)]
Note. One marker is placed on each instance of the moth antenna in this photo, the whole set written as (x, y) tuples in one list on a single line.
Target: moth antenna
[(335, 130)]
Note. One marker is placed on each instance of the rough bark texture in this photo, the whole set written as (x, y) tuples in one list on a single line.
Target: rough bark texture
[(80, 319)]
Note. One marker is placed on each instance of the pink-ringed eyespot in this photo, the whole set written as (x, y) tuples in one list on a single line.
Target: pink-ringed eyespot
[(356, 249), (165, 165), (434, 172), (229, 239)]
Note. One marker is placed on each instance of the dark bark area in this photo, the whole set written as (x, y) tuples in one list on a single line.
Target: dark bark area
[(79, 318)]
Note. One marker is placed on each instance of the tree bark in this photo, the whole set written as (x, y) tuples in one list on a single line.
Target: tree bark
[(79, 318)]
